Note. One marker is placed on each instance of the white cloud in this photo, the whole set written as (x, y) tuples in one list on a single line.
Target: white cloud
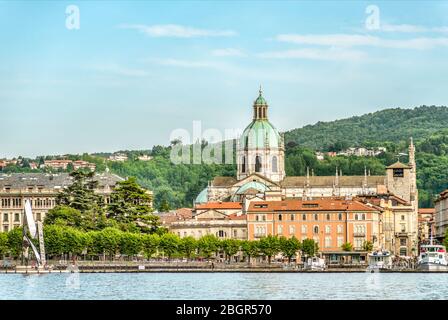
[(408, 28), (331, 54), (352, 40), (228, 52), (177, 31)]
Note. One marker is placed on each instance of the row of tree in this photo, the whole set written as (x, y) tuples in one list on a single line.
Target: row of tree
[(108, 243)]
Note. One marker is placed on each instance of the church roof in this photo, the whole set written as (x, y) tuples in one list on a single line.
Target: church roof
[(223, 181), (323, 181), (260, 133), (252, 186), (398, 165), (219, 205), (202, 196)]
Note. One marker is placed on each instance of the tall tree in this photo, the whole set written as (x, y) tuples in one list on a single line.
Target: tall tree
[(289, 247), (310, 247), (269, 246), (130, 203)]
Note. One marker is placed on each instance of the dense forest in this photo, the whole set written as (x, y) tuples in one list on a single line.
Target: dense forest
[(177, 186)]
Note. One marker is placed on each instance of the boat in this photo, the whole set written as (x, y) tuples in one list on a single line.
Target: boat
[(380, 259), (315, 264), (432, 258)]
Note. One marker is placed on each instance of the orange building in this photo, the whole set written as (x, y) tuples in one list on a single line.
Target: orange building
[(330, 222)]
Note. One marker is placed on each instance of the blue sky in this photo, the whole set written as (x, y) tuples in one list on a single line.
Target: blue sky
[(135, 71)]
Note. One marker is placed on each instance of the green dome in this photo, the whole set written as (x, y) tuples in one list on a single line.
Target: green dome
[(260, 100), (202, 196), (260, 134), (252, 185)]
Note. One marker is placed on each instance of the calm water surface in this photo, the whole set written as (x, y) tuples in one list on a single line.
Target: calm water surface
[(90, 286)]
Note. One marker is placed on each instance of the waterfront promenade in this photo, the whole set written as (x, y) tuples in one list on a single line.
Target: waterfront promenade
[(203, 266)]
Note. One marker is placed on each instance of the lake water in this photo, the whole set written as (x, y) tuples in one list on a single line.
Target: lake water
[(224, 286)]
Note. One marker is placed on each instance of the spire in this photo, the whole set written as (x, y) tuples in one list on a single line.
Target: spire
[(365, 177), (260, 107), (412, 154), (336, 181)]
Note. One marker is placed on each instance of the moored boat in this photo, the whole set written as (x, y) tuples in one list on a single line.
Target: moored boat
[(380, 260), (432, 258)]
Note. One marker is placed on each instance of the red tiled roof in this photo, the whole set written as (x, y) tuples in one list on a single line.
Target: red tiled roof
[(323, 204), (426, 210), (185, 213), (233, 216), (219, 205)]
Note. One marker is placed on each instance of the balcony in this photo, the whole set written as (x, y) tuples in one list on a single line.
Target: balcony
[(359, 234), (259, 235)]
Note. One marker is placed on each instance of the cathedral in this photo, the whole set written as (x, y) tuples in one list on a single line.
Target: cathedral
[(261, 178), (261, 172)]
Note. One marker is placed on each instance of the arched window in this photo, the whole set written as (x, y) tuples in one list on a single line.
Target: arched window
[(316, 217), (292, 217), (304, 217), (257, 164), (328, 216), (256, 217), (243, 164), (274, 164), (340, 217), (363, 216), (280, 217), (356, 216), (316, 230)]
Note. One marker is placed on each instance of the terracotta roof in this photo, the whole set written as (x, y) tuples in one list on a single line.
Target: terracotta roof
[(233, 216), (185, 213), (426, 210), (223, 181), (323, 204), (219, 205), (398, 165), (357, 181)]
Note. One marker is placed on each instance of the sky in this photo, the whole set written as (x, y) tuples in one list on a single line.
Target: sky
[(131, 73)]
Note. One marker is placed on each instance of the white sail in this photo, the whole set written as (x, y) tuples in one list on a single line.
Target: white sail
[(30, 219)]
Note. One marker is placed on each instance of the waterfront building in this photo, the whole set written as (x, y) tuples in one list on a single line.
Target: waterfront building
[(441, 215), (425, 224), (261, 176), (213, 222), (330, 222), (41, 189)]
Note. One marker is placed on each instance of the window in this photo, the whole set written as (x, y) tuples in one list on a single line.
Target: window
[(304, 217), (402, 217), (398, 173), (5, 217), (363, 216), (280, 229), (243, 164), (327, 229), (292, 229), (356, 216), (402, 242), (358, 243), (316, 217), (403, 228), (340, 241), (185, 234), (327, 242), (328, 216), (403, 252), (235, 233), (339, 229), (274, 164), (264, 217), (280, 217), (292, 217), (340, 217), (257, 164), (316, 230), (256, 218), (221, 234), (16, 217), (304, 229)]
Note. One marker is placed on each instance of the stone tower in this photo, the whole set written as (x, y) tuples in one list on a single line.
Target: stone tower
[(261, 149)]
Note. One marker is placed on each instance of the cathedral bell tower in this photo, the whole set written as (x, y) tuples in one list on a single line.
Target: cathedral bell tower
[(261, 149)]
